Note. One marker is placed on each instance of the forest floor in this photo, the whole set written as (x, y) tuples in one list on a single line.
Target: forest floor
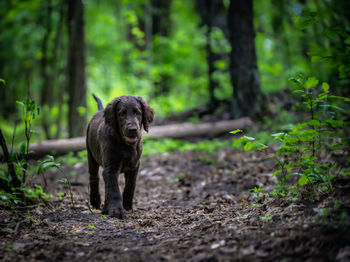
[(189, 206)]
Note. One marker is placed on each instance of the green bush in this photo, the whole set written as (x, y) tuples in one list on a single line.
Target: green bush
[(305, 151)]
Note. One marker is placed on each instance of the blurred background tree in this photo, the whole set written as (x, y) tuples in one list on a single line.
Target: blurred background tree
[(76, 76), (223, 56)]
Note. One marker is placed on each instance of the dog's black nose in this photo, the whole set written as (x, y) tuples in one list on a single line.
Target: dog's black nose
[(132, 128)]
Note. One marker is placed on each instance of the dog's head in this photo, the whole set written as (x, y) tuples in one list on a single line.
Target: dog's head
[(127, 115)]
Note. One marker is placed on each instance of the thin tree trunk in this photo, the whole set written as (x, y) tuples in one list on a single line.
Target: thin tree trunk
[(279, 17), (212, 13), (210, 54), (58, 68), (11, 168), (46, 89), (246, 99), (76, 68), (159, 16)]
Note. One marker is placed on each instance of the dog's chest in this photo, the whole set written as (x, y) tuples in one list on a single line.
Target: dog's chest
[(130, 161)]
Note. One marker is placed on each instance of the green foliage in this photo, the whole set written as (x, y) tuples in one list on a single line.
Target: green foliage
[(24, 194), (247, 142), (70, 159), (332, 218), (11, 200), (293, 34), (160, 146), (156, 66), (10, 246), (36, 193), (256, 191), (178, 177), (31, 195), (69, 186), (92, 227), (266, 218), (46, 164), (168, 69), (303, 147)]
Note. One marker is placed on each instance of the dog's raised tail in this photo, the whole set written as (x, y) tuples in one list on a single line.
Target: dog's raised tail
[(99, 102)]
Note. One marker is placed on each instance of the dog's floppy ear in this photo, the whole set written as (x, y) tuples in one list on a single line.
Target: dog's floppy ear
[(110, 114), (147, 114)]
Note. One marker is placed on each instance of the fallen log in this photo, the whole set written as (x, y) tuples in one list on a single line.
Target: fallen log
[(211, 129), (63, 146)]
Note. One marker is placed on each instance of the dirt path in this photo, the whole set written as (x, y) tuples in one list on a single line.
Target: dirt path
[(189, 206)]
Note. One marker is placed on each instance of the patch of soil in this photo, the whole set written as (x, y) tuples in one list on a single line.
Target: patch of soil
[(189, 206)]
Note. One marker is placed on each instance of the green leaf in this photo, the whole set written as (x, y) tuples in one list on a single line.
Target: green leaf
[(334, 123), (333, 107), (325, 87), (347, 41), (249, 138), (38, 169), (344, 71), (236, 131), (317, 58), (298, 79), (4, 197), (261, 146), (266, 218), (321, 97), (60, 194), (49, 165), (277, 172), (23, 148), (346, 99), (20, 103), (2, 82), (179, 176), (314, 122), (278, 134), (92, 227), (248, 146), (306, 20), (303, 180), (220, 64), (311, 82), (237, 143)]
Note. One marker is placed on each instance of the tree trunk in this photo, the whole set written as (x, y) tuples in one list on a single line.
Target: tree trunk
[(246, 99), (210, 55), (76, 69), (212, 13), (46, 89), (58, 68), (279, 17), (160, 25), (160, 17)]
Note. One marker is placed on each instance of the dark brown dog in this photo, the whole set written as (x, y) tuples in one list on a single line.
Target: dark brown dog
[(114, 142)]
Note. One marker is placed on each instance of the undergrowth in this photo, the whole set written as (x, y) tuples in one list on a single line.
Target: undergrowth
[(307, 152), (159, 146), (14, 188)]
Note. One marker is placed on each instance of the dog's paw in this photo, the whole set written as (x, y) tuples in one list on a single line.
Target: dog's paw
[(116, 211), (127, 205), (95, 202), (127, 208)]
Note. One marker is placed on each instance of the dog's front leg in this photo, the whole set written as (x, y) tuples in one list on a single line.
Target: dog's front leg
[(113, 200), (130, 182)]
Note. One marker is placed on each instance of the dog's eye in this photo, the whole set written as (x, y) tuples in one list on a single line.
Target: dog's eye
[(137, 113)]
